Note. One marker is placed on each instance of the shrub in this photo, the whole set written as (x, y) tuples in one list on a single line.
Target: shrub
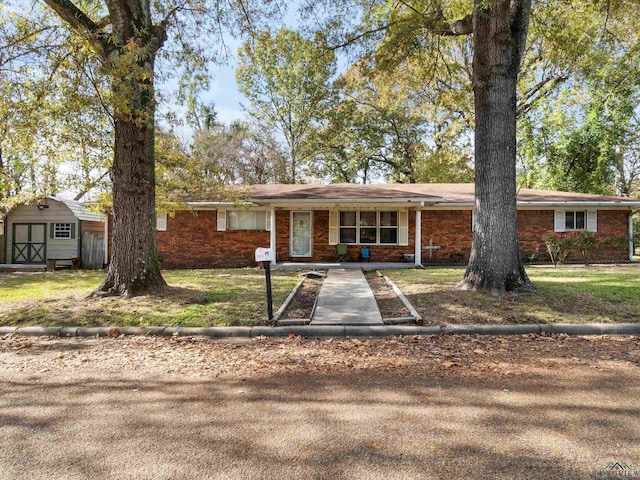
[(533, 256), (586, 242), (558, 246), (456, 258)]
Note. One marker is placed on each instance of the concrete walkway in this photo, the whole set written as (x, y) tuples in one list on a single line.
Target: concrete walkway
[(346, 299)]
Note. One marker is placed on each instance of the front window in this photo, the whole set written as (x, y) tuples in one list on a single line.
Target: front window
[(246, 220), (369, 227), (62, 231), (575, 220)]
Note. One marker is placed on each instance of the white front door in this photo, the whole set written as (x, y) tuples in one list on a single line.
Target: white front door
[(301, 234)]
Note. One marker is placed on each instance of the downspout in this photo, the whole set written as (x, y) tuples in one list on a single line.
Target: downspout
[(631, 236)]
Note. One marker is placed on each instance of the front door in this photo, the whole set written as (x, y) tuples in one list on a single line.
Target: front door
[(301, 234), (29, 243)]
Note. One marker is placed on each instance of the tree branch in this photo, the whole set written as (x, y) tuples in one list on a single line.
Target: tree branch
[(81, 23)]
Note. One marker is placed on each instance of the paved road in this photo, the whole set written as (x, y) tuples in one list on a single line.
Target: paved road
[(548, 418)]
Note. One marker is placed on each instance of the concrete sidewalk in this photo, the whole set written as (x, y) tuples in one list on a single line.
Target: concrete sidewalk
[(346, 299)]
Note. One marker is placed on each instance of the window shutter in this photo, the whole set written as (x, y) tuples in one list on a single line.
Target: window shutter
[(51, 229), (73, 231), (161, 222), (403, 228), (267, 217), (559, 221), (333, 227), (592, 220), (222, 220)]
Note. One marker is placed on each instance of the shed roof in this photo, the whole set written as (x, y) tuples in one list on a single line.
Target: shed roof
[(79, 210)]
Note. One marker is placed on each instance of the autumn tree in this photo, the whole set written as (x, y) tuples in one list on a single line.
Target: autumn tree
[(287, 79), (126, 39)]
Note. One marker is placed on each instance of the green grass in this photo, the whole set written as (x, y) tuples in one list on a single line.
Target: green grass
[(564, 294), (195, 298)]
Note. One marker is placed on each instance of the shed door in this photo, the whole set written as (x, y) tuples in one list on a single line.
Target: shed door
[(29, 243)]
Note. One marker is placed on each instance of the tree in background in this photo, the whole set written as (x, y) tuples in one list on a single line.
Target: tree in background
[(287, 79), (579, 130), (53, 129)]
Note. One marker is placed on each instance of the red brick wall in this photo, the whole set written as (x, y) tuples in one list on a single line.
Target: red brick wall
[(192, 240), (449, 229), (533, 224)]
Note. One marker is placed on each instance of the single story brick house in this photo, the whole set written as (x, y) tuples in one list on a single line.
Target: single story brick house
[(421, 223)]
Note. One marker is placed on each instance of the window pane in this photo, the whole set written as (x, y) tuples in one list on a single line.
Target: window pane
[(388, 219), (261, 219), (368, 219), (347, 235), (388, 235), (246, 220), (347, 219), (367, 235), (61, 230), (569, 220), (579, 220)]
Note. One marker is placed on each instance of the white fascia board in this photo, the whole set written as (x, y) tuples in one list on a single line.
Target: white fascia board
[(218, 205), (581, 203), (533, 205), (332, 201)]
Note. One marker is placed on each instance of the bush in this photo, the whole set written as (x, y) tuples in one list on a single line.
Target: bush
[(558, 246), (586, 242), (456, 258)]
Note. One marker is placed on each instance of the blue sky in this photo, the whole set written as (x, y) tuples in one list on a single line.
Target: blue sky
[(224, 91)]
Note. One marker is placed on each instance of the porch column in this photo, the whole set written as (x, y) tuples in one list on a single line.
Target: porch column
[(418, 255), (272, 236), (631, 236)]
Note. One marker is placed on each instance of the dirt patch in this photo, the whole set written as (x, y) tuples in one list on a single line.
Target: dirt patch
[(388, 302), (302, 304)]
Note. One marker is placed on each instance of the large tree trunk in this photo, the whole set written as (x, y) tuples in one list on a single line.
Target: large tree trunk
[(134, 266), (499, 34)]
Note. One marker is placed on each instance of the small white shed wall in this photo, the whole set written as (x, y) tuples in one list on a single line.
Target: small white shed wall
[(56, 213)]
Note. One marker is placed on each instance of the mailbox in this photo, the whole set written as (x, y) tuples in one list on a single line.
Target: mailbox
[(264, 255)]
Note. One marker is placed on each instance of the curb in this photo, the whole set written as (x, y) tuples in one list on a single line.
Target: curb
[(335, 331)]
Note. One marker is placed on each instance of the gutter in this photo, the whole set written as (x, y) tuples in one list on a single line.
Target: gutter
[(569, 203)]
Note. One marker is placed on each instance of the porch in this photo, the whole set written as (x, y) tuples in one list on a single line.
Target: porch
[(344, 265)]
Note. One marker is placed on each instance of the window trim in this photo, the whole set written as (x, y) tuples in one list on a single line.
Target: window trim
[(377, 227), (56, 232)]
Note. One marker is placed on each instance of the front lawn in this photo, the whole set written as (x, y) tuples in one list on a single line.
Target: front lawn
[(195, 298), (564, 295)]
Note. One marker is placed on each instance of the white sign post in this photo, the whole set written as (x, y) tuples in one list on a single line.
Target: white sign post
[(265, 255)]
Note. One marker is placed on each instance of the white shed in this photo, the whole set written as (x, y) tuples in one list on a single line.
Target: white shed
[(51, 229)]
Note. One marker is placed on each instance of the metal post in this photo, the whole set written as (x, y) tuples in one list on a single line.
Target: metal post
[(267, 274)]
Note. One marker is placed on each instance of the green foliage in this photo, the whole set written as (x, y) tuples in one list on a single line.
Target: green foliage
[(558, 246), (287, 79), (586, 242)]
